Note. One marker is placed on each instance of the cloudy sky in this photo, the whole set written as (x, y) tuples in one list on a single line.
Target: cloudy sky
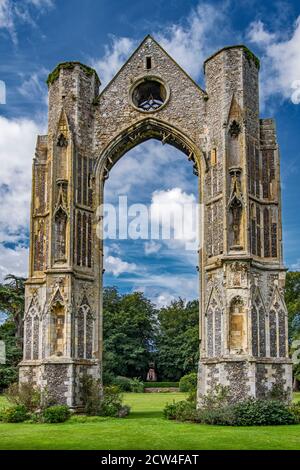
[(37, 34)]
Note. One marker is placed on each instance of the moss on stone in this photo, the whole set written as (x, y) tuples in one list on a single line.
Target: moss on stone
[(249, 54), (69, 66), (251, 57)]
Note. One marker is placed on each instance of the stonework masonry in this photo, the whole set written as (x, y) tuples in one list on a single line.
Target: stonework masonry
[(234, 155)]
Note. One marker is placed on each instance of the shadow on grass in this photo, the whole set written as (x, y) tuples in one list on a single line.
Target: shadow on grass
[(145, 414)]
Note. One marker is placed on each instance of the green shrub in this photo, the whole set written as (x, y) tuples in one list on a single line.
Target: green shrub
[(161, 384), (170, 410), (124, 383), (108, 403), (24, 394), (181, 411), (136, 385), (295, 410), (218, 408), (8, 375), (91, 394), (188, 382), (56, 414), (107, 378), (111, 404), (14, 414), (254, 412), (216, 398), (278, 393), (223, 416)]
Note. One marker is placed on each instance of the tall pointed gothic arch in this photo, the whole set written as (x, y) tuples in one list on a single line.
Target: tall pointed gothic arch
[(234, 155)]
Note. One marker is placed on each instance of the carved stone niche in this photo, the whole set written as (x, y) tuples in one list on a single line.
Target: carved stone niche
[(62, 141), (237, 275), (234, 129), (57, 329), (60, 223), (237, 326), (235, 206)]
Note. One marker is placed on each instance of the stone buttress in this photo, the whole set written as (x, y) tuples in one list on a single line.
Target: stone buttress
[(62, 330)]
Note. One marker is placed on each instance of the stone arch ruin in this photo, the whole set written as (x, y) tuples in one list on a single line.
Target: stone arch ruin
[(234, 155)]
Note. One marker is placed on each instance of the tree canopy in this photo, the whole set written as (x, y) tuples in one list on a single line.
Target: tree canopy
[(178, 339), (129, 324)]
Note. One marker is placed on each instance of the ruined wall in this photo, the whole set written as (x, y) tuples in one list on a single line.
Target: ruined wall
[(235, 157)]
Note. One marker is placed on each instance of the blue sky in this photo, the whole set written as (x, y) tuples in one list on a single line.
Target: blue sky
[(37, 34)]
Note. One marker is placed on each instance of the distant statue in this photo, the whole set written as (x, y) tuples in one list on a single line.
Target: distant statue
[(151, 375)]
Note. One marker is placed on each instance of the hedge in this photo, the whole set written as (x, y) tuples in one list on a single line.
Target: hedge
[(161, 384)]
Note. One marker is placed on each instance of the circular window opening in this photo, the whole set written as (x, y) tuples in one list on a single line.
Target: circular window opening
[(149, 95)]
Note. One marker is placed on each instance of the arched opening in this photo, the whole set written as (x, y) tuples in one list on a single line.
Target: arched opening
[(57, 330), (159, 268), (237, 327), (60, 234)]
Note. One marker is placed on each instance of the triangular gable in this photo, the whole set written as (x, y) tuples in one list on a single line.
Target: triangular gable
[(57, 298), (214, 296), (63, 132), (135, 53), (257, 295), (235, 112), (33, 304), (277, 298), (84, 301)]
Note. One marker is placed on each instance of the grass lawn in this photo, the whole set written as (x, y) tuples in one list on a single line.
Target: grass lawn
[(145, 428)]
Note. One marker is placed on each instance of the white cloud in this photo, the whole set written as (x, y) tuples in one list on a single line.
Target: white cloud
[(190, 43), (177, 209), (11, 12), (152, 247), (296, 266), (152, 161), (42, 3), (33, 86), (204, 30), (17, 143), (257, 33), (115, 56), (116, 266), (280, 72), (164, 299), (13, 261), (113, 248), (7, 18), (167, 285)]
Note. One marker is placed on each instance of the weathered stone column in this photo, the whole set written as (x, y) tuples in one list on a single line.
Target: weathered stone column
[(62, 292), (244, 308)]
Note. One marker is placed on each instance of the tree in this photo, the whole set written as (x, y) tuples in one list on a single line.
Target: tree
[(129, 333), (12, 295), (9, 370), (292, 299), (178, 339), (11, 332)]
